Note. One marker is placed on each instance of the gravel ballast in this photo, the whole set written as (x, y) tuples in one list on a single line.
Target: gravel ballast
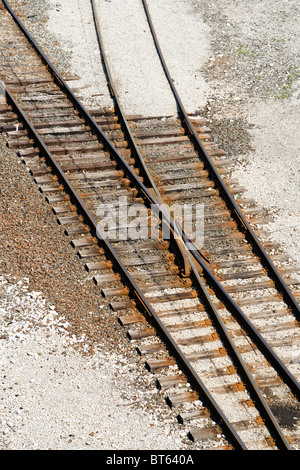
[(69, 377)]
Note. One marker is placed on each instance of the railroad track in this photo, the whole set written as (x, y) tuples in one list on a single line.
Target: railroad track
[(216, 324)]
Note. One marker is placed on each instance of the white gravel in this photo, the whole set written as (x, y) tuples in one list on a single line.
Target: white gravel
[(271, 172)]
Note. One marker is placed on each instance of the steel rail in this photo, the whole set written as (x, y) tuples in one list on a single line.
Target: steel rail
[(231, 203), (91, 221), (200, 259), (238, 360)]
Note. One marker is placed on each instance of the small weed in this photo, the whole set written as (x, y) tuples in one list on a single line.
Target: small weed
[(242, 51)]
